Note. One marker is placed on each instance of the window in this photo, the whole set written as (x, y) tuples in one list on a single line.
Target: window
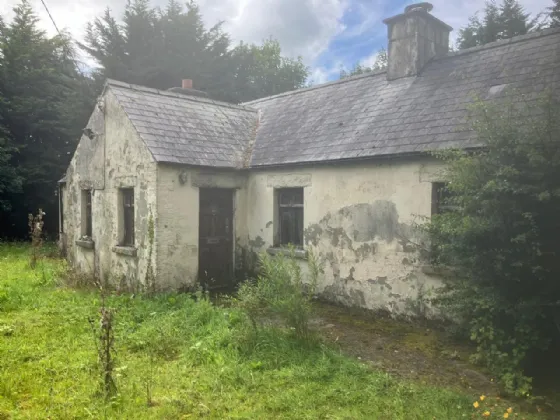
[(127, 216), (441, 198), (86, 213), (290, 216)]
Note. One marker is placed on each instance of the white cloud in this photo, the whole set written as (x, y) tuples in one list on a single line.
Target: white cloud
[(370, 60), (324, 74), (303, 27)]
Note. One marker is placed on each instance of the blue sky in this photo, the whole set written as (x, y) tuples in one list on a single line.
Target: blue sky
[(328, 34)]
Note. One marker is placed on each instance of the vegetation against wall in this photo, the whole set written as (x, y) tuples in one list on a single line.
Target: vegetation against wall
[(501, 236), (183, 357), (280, 289)]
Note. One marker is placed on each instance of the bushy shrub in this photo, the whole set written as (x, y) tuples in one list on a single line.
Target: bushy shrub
[(282, 290), (501, 236)]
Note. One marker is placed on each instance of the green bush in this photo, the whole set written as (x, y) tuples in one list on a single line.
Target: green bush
[(281, 290), (501, 236)]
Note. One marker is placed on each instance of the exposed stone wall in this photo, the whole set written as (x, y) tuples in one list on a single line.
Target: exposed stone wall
[(113, 158), (359, 221)]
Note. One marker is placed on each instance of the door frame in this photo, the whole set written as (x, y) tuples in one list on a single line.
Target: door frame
[(231, 236)]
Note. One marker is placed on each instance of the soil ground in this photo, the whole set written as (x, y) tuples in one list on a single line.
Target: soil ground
[(412, 350)]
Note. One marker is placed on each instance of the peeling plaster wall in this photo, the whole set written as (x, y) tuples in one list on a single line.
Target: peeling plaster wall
[(178, 219), (115, 158), (359, 222)]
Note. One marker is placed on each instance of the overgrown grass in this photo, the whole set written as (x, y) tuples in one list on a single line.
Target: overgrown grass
[(181, 357)]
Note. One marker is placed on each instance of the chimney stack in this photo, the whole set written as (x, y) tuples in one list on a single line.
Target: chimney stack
[(187, 89), (415, 37)]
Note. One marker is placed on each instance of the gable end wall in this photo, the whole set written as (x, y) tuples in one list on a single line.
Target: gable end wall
[(114, 159)]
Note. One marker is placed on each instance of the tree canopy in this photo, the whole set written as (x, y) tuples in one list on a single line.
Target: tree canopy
[(45, 100), (159, 47), (380, 63), (498, 21), (554, 14), (500, 236), (44, 103)]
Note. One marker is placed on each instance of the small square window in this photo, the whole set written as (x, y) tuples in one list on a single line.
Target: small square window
[(290, 217), (127, 211), (86, 213)]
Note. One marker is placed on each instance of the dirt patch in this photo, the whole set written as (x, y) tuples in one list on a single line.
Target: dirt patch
[(408, 350), (421, 353)]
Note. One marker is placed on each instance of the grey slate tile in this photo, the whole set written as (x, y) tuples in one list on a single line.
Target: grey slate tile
[(363, 116)]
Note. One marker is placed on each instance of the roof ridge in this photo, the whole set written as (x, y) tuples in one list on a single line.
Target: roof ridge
[(320, 86), (495, 44), (501, 43), (145, 89)]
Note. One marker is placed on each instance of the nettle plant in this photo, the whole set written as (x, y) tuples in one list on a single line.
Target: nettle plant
[(501, 236)]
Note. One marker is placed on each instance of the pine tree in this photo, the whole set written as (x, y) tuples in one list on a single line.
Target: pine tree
[(44, 105), (499, 22), (513, 20), (554, 14), (158, 48), (10, 181)]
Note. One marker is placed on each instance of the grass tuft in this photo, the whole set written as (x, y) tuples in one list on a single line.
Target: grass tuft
[(180, 357)]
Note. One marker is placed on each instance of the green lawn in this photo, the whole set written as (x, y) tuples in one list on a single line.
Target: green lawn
[(190, 358)]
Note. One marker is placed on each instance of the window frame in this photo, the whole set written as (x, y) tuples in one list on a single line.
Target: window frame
[(87, 215), (128, 217), (290, 205), (440, 193)]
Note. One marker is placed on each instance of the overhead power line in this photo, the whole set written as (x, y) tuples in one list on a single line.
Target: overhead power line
[(49, 13), (59, 33)]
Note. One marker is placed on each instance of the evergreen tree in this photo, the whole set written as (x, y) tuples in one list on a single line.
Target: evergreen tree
[(500, 236), (554, 14), (44, 103), (10, 181), (158, 48), (499, 22)]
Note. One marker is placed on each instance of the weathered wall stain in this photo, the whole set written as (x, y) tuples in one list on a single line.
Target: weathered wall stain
[(366, 238), (338, 293), (257, 243), (363, 222), (113, 140)]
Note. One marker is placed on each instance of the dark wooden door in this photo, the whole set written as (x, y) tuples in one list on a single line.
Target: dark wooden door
[(216, 238)]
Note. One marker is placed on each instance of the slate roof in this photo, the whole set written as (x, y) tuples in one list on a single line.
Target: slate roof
[(189, 130), (359, 117), (368, 116)]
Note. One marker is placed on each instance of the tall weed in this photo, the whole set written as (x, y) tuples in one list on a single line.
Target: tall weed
[(280, 290)]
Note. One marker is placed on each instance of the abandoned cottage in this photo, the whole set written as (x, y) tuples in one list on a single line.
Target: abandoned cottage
[(341, 169)]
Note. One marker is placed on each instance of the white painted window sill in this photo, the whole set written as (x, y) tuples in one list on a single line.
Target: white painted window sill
[(300, 254), (129, 251), (85, 243)]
